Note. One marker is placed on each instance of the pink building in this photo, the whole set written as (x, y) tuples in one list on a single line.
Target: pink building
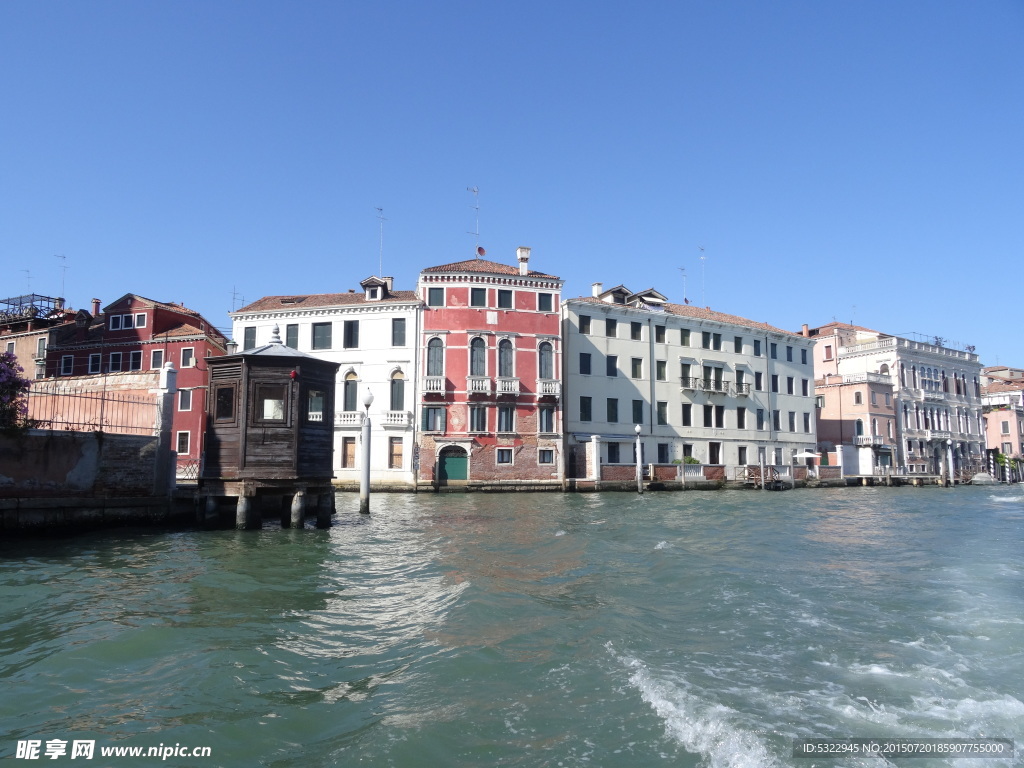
[(1003, 403), (490, 384)]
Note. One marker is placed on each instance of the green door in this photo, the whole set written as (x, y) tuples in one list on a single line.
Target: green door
[(453, 465)]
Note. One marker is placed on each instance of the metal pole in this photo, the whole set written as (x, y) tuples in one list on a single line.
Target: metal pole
[(364, 469)]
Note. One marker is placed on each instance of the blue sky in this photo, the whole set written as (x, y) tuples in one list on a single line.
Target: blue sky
[(856, 160)]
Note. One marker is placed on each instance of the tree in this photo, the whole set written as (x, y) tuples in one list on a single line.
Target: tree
[(13, 393)]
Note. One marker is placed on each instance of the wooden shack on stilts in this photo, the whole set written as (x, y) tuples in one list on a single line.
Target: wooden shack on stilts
[(269, 436)]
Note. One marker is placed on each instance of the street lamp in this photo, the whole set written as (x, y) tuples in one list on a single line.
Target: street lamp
[(364, 470), (639, 472)]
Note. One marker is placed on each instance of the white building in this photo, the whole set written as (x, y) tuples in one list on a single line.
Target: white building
[(704, 385), (373, 335), (936, 392)]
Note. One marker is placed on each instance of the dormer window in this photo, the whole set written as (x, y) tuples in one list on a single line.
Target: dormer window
[(373, 294)]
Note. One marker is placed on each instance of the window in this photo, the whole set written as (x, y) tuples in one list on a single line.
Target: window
[(638, 411), (10, 347), (737, 345), (805, 387), (705, 339), (187, 357), (803, 356), (584, 323), (156, 360), (777, 420), (828, 352), (477, 418), (661, 368), (350, 393), (435, 357), (663, 453), (1004, 427), (807, 424), (874, 397), (716, 341), (544, 302), (611, 328), (709, 415), (67, 365), (398, 391), (789, 354), (858, 427), (773, 350), (775, 382), (584, 363), (115, 322), (95, 362), (350, 339), (183, 443), (270, 402), (248, 337), (506, 418), (687, 415), (719, 417), (478, 297), (888, 398), (477, 357), (789, 385), (127, 322), (613, 410), (858, 398), (545, 456), (757, 347), (348, 452), (504, 298), (741, 455), (291, 335), (586, 404), (611, 365), (636, 368), (684, 336), (41, 348), (395, 452), (636, 331), (114, 361), (184, 399), (315, 402), (224, 404), (741, 418), (546, 419), (435, 297), (613, 453), (134, 360), (433, 419), (759, 381), (760, 418), (662, 413), (659, 334), (545, 361), (792, 421), (505, 359)]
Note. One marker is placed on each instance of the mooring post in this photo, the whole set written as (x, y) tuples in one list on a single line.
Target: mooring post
[(325, 509), (298, 519), (639, 471), (246, 517), (364, 473)]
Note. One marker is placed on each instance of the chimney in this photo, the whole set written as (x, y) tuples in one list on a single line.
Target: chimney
[(390, 283), (805, 331), (95, 307), (58, 304), (596, 289), (523, 254)]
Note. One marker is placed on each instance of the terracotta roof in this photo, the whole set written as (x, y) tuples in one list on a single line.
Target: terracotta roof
[(700, 313), (1006, 385), (841, 326), (484, 266), (272, 303)]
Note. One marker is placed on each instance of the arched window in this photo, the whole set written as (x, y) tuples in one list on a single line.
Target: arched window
[(351, 392), (435, 357), (398, 391), (505, 358), (477, 357), (545, 361), (903, 375), (883, 370), (913, 375), (859, 427), (858, 398)]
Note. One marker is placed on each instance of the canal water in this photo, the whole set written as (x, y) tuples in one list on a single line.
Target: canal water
[(676, 629)]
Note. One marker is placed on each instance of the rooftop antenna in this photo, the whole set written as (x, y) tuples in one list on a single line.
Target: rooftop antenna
[(476, 207), (853, 312), (63, 271), (702, 260), (380, 266), (235, 297), (683, 270), (28, 279)]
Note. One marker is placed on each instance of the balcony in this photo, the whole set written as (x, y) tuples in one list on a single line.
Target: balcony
[(478, 385), (937, 434), (433, 385), (508, 385), (869, 440), (742, 389), (868, 378), (549, 387), (710, 385), (934, 397), (688, 382), (348, 419), (397, 419)]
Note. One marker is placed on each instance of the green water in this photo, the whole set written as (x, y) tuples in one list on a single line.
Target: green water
[(529, 630)]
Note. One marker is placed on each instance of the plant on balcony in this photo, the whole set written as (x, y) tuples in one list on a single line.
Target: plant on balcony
[(691, 460)]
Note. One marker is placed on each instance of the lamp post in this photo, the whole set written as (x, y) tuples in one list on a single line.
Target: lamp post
[(364, 469), (639, 471)]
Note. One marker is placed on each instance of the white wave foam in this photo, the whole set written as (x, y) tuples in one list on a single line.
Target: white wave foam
[(559, 533), (662, 545), (709, 729)]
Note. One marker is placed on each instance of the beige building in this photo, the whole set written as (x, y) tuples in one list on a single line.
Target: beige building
[(1002, 397), (26, 327)]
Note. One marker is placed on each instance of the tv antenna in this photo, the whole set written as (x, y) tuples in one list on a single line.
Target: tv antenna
[(28, 279), (63, 270), (380, 264), (683, 270), (476, 207), (235, 297), (703, 258)]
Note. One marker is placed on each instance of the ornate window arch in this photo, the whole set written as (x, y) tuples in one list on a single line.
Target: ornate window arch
[(477, 357), (435, 357), (506, 355), (545, 360)]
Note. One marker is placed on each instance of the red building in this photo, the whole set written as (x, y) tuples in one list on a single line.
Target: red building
[(490, 378), (137, 334)]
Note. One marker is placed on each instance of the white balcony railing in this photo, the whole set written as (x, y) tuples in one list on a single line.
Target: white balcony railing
[(348, 419), (508, 386), (742, 389), (397, 419), (549, 387), (868, 440), (710, 385), (433, 384), (688, 382), (477, 385)]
